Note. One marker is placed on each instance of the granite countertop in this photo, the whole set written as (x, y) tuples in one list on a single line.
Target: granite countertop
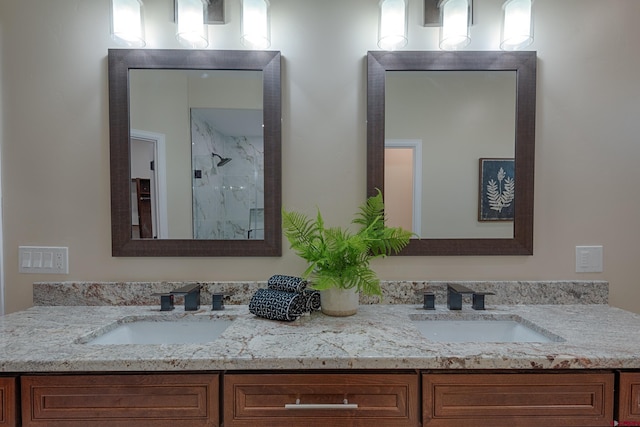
[(48, 339)]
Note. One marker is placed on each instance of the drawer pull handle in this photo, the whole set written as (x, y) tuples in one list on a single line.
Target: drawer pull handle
[(298, 405)]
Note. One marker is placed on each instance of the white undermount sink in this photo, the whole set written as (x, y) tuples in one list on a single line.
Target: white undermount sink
[(140, 330), (487, 329)]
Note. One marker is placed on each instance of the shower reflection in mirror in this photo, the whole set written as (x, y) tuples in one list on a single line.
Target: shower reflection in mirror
[(227, 153)]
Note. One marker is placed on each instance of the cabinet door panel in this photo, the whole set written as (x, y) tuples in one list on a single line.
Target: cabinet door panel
[(629, 401), (8, 402), (160, 400), (517, 400), (314, 400)]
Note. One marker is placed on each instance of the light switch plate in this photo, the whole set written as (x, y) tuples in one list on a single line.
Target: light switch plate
[(43, 259), (589, 259)]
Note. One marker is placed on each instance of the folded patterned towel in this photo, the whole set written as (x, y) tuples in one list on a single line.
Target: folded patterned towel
[(277, 305), (280, 282), (312, 300)]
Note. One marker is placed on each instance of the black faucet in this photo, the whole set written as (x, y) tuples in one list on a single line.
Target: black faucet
[(191, 295), (456, 291)]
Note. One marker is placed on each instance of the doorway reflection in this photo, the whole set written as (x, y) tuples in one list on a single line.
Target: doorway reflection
[(403, 184)]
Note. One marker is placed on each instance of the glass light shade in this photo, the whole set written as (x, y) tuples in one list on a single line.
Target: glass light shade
[(127, 27), (454, 32), (517, 26), (393, 24), (255, 24), (190, 16)]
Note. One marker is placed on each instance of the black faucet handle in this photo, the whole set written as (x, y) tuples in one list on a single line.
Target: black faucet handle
[(217, 301), (477, 302), (166, 301), (428, 299)]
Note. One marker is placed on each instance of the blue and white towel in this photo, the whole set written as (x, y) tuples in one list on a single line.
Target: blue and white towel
[(281, 282), (277, 305), (286, 298)]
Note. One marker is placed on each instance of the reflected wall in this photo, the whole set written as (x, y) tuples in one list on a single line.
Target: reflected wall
[(459, 117)]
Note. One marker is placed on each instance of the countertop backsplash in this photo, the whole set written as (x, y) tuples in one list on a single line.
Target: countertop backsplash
[(394, 292)]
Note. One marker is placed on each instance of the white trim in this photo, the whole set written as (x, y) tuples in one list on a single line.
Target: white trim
[(159, 142), (416, 146)]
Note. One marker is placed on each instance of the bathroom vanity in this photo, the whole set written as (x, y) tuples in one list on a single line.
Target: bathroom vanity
[(374, 368)]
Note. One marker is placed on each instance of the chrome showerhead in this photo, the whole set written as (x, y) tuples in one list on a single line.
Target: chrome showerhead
[(223, 160)]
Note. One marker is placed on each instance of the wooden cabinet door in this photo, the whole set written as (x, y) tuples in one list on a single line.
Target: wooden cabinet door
[(8, 402), (321, 400), (517, 400), (629, 399), (159, 400)]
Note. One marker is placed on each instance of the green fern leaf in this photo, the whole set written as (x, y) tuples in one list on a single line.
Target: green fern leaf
[(339, 258)]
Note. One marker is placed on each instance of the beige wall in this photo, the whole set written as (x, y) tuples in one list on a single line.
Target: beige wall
[(55, 154), (459, 117), (166, 112)]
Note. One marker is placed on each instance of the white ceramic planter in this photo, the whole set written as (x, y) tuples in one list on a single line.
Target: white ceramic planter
[(339, 302)]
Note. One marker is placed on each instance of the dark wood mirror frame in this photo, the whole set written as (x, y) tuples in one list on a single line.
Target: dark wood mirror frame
[(120, 62), (524, 64)]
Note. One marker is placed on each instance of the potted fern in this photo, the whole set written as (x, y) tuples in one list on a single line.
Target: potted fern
[(339, 259)]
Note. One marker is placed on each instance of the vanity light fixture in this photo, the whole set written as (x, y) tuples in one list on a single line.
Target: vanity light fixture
[(255, 24), (454, 32), (517, 25), (127, 26), (191, 30), (392, 27)]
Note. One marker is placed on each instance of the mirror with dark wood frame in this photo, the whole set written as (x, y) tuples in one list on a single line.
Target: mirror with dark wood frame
[(122, 63), (382, 65)]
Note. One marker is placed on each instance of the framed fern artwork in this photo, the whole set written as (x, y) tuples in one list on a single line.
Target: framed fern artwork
[(497, 190)]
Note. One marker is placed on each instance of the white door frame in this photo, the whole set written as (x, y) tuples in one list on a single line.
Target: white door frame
[(416, 146), (160, 163)]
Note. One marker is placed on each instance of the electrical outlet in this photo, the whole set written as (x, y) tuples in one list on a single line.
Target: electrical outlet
[(589, 259), (43, 259), (60, 260)]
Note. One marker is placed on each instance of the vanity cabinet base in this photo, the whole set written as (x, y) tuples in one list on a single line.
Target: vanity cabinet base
[(321, 400), (517, 400), (629, 399), (159, 400), (8, 402)]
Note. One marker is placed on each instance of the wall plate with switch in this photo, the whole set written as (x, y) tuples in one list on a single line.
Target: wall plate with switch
[(589, 259), (43, 259)]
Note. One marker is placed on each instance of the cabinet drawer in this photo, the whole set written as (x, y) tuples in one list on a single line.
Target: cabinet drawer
[(8, 402), (629, 400), (315, 400), (159, 400), (517, 400)]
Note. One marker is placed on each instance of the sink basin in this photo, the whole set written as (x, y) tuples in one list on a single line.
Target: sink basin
[(490, 329), (160, 331)]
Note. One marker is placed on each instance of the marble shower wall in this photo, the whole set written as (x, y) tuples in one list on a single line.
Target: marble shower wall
[(226, 197)]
